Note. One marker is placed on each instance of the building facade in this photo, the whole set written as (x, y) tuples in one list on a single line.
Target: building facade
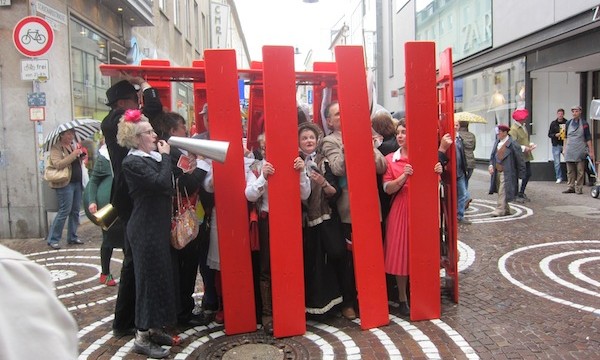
[(87, 34), (538, 55)]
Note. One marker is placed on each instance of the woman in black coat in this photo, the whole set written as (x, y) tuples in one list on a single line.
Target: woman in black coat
[(149, 179)]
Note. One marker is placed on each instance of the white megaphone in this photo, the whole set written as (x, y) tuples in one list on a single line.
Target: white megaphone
[(212, 149)]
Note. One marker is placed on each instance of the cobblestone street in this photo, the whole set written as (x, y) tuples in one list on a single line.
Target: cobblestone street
[(529, 289)]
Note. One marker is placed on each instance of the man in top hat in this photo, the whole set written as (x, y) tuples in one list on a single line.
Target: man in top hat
[(120, 97), (518, 132), (577, 144), (506, 167)]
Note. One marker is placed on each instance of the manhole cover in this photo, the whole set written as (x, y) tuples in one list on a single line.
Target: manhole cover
[(253, 351), (253, 346)]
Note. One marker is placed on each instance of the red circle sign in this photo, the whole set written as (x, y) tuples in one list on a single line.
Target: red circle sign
[(33, 36)]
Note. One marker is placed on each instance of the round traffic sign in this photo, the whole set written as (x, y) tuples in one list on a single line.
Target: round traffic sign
[(33, 36)]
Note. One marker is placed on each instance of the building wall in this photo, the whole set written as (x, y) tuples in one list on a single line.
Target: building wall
[(24, 196), (512, 22)]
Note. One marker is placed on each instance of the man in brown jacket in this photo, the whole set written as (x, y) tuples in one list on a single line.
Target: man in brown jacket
[(333, 150)]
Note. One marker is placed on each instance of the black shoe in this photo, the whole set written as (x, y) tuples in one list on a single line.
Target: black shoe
[(403, 308), (464, 221), (76, 242), (569, 191), (54, 246), (160, 337), (268, 327), (144, 345), (202, 319), (123, 332)]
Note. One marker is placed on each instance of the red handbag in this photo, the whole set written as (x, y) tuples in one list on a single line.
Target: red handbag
[(254, 240)]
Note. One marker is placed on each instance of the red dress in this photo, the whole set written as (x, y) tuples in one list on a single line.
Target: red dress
[(396, 234)]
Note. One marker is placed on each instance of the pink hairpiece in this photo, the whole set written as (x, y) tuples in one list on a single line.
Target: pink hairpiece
[(133, 115)]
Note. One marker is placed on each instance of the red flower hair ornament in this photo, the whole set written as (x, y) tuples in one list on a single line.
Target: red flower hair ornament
[(133, 115)]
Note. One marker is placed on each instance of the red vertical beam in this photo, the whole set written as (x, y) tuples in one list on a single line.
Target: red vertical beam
[(362, 184), (255, 108), (230, 182), (446, 86), (285, 227), (163, 87), (318, 90), (423, 228), (199, 99)]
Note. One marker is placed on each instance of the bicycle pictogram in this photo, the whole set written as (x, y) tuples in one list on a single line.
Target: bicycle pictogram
[(34, 35)]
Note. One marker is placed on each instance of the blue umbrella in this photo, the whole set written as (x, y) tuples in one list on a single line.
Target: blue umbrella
[(84, 129)]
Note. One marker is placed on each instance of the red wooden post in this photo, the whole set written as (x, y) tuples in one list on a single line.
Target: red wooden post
[(285, 220), (446, 91), (255, 109), (230, 182), (423, 229), (364, 201), (199, 100), (163, 87)]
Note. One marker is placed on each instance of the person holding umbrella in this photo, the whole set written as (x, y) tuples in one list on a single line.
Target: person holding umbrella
[(64, 154)]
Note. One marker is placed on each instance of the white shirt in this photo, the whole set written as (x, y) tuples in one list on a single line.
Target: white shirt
[(257, 187)]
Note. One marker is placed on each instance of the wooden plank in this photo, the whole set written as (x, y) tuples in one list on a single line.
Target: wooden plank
[(362, 184), (446, 83), (230, 182), (285, 219), (423, 211)]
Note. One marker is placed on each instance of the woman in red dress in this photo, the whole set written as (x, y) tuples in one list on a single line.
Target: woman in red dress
[(395, 184)]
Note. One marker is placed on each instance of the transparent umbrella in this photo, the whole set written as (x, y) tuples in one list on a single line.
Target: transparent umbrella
[(469, 117)]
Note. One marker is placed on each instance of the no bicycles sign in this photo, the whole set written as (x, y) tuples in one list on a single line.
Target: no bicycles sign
[(33, 36)]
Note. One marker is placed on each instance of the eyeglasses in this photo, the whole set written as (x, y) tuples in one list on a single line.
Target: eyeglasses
[(149, 132)]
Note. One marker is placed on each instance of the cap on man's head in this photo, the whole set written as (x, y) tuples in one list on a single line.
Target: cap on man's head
[(576, 107), (204, 109), (503, 127), (520, 114), (121, 90)]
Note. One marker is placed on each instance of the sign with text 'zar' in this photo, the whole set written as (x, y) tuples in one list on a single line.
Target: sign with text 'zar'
[(37, 69)]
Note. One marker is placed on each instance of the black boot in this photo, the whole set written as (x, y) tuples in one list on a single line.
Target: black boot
[(267, 310), (143, 345)]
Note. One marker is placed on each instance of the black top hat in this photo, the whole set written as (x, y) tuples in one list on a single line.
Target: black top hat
[(121, 90)]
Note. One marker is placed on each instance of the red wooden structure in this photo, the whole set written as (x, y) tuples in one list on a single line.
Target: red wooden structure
[(230, 182), (272, 100), (445, 82), (367, 244), (421, 132)]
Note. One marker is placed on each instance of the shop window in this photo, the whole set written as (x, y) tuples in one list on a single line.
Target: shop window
[(88, 51)]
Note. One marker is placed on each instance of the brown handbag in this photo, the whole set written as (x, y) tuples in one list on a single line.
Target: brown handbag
[(184, 223)]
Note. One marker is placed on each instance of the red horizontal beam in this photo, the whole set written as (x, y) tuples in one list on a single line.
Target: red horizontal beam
[(196, 74)]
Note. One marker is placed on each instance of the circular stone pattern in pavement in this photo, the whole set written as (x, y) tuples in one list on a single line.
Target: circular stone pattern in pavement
[(253, 346), (58, 275)]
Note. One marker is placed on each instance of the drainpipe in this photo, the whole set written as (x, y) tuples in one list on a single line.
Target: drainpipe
[(3, 159)]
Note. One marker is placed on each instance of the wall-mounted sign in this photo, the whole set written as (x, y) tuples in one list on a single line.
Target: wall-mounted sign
[(35, 69), (219, 25), (37, 113), (36, 99), (33, 36)]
